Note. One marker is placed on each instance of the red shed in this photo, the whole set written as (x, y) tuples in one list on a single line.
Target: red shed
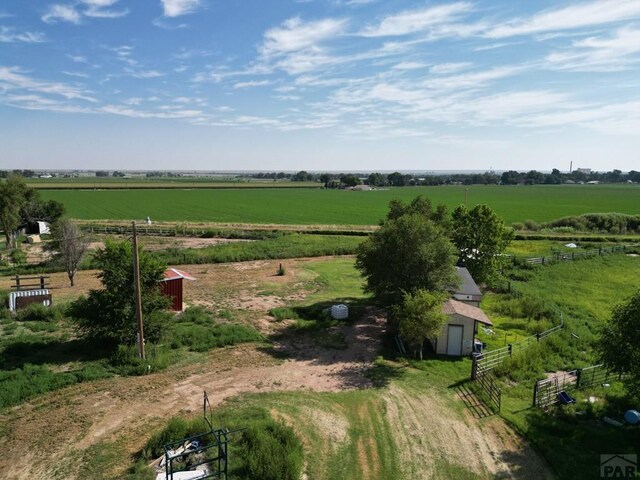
[(171, 286)]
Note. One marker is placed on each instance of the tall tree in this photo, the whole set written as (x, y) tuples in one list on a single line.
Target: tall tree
[(20, 203), (71, 246), (480, 236), (619, 340), (13, 197), (109, 313), (407, 253), (420, 316)]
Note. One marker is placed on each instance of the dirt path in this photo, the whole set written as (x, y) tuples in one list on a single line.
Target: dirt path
[(75, 418)]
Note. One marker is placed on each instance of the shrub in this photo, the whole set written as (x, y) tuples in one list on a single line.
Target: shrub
[(18, 257), (273, 452), (126, 360), (531, 225), (201, 338), (283, 313), (38, 312)]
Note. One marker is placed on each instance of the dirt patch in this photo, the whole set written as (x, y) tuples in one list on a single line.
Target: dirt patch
[(83, 415)]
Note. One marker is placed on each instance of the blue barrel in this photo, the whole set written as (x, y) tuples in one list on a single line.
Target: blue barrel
[(632, 417)]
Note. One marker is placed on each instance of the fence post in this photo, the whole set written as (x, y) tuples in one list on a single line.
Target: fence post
[(538, 337), (578, 377), (42, 282), (535, 394), (474, 368), (543, 260), (510, 346), (17, 282)]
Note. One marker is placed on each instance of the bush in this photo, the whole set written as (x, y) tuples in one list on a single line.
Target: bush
[(273, 452), (126, 360), (531, 225), (283, 313), (37, 312), (201, 338), (18, 257)]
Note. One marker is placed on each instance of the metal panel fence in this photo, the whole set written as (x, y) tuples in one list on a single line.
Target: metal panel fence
[(486, 362), (545, 392), (567, 257)]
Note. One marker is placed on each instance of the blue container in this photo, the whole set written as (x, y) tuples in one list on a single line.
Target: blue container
[(632, 417)]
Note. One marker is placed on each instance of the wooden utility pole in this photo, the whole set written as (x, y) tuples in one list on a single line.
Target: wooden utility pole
[(138, 298), (466, 190)]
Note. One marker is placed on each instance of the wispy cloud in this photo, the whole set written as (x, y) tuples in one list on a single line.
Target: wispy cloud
[(252, 83), (448, 68), (598, 12), (10, 35), (295, 35), (12, 78), (412, 21), (100, 9), (176, 8), (62, 13), (601, 54)]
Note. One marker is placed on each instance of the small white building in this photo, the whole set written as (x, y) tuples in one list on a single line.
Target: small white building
[(457, 335)]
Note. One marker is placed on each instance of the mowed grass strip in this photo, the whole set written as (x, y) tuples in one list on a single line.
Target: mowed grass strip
[(340, 207)]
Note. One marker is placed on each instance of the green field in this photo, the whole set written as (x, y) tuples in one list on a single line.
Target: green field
[(140, 182), (340, 207)]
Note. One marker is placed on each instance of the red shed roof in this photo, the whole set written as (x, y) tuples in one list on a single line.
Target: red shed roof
[(174, 273)]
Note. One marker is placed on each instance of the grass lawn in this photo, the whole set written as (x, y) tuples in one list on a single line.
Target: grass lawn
[(571, 438), (328, 207)]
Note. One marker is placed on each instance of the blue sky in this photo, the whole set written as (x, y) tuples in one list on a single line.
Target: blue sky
[(320, 84)]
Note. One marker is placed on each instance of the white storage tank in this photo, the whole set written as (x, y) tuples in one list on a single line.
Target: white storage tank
[(339, 312)]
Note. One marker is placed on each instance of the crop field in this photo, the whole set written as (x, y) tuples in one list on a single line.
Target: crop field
[(84, 183), (326, 207)]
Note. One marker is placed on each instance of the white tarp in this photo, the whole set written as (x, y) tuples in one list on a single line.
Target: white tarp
[(43, 227)]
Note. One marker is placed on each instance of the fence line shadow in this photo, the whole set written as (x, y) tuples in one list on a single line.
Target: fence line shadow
[(475, 405)]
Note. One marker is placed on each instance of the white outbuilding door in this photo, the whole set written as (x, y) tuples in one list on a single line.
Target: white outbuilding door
[(454, 340)]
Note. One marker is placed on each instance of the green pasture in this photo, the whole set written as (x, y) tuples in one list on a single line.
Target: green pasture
[(341, 207)]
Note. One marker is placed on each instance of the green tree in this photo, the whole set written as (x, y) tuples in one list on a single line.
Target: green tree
[(480, 236), (349, 180), (13, 197), (420, 316), (109, 314), (406, 254), (619, 340), (20, 203), (420, 205)]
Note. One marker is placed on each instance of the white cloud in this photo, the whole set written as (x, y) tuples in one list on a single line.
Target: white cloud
[(62, 13), (252, 83), (75, 74), (176, 8), (449, 68), (9, 35), (78, 58), (294, 35), (612, 53), (473, 79), (412, 21), (144, 73), (13, 78), (579, 15), (409, 65)]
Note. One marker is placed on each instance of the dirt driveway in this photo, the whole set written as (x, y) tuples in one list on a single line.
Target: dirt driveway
[(47, 437)]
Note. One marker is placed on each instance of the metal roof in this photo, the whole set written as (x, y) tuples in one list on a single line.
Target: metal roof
[(452, 307), (468, 285), (174, 273)]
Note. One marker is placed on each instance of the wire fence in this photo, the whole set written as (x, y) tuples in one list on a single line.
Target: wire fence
[(570, 256)]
